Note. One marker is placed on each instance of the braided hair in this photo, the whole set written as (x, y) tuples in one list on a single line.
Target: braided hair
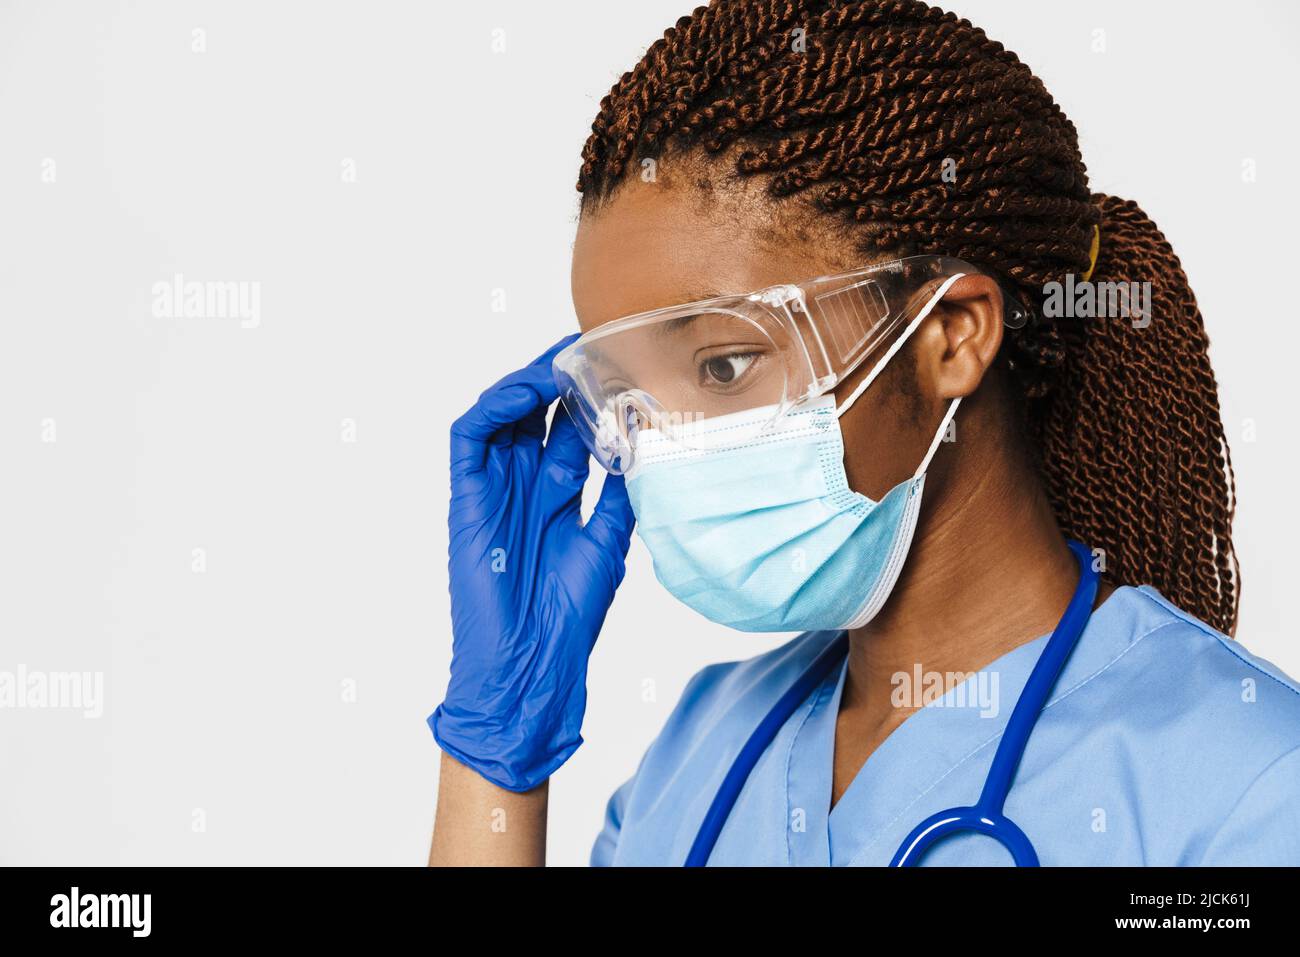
[(861, 110)]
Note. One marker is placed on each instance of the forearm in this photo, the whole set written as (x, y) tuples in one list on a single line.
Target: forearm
[(480, 824)]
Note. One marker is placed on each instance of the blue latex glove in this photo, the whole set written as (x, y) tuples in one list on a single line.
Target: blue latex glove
[(530, 584)]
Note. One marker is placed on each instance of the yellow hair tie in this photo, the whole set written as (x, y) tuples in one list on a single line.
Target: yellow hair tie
[(1092, 253)]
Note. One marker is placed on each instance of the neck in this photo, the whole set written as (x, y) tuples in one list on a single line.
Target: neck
[(988, 571)]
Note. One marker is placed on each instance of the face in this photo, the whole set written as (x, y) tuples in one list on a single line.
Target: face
[(653, 246)]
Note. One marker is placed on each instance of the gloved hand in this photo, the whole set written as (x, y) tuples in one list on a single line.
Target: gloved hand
[(530, 584)]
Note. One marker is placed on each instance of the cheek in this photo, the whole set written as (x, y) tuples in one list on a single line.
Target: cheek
[(883, 444)]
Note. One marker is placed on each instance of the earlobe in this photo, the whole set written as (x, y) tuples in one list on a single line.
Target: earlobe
[(969, 326)]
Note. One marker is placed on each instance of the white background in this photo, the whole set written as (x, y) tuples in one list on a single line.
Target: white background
[(326, 560)]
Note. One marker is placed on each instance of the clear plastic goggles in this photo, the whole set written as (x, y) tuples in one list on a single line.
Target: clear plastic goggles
[(673, 371)]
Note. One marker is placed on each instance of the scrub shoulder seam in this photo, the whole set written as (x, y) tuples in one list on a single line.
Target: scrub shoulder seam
[(1229, 645)]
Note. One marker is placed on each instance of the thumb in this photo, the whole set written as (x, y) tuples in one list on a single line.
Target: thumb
[(610, 525), (566, 455)]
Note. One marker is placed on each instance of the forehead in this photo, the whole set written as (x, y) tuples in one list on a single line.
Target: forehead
[(653, 245)]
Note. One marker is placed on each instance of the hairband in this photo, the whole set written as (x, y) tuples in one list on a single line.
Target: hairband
[(1092, 253)]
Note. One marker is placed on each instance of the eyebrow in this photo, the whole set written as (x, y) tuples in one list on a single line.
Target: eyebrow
[(697, 294), (674, 326), (690, 295)]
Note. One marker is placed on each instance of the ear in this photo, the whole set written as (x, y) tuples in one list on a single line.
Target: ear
[(960, 338)]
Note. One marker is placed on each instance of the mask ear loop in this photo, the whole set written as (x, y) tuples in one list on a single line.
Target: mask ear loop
[(938, 437), (898, 344)]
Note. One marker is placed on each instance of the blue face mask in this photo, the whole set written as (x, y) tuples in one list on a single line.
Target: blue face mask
[(768, 536)]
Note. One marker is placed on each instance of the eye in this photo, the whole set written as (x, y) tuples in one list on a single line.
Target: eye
[(727, 369), (612, 386)]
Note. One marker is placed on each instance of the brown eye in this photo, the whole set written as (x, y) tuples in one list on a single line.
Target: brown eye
[(724, 370)]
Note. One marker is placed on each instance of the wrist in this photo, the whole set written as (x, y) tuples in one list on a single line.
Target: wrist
[(508, 757), (478, 823)]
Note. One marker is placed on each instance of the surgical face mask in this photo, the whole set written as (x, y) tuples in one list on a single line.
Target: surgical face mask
[(768, 536)]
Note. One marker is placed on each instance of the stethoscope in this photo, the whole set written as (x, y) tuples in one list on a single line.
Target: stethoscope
[(985, 816)]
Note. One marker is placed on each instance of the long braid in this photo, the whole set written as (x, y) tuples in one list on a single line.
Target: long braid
[(866, 125)]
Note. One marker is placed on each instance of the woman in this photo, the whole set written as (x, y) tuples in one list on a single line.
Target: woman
[(893, 457)]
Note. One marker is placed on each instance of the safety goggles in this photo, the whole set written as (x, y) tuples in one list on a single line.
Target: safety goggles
[(754, 358)]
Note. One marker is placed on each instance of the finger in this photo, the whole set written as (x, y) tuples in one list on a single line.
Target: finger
[(513, 397), (531, 429), (499, 407), (541, 363), (610, 525), (547, 357), (512, 409)]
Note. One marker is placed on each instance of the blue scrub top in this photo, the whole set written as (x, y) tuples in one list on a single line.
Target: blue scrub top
[(1163, 743)]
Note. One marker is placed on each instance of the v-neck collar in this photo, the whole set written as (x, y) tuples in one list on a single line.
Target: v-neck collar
[(933, 742)]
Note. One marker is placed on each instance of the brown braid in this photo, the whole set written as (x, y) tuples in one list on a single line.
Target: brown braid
[(858, 127)]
